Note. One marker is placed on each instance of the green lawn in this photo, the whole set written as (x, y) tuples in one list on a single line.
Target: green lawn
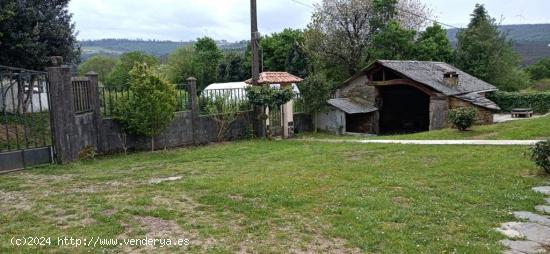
[(278, 197), (538, 128)]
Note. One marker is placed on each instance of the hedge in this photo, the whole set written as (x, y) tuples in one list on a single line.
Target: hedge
[(538, 101)]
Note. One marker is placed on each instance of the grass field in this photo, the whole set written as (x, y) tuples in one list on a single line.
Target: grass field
[(277, 197), (531, 129)]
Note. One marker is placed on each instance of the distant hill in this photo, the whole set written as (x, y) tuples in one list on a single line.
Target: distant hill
[(161, 49), (532, 42)]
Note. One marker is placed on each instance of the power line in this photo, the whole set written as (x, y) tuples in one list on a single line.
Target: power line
[(403, 10), (426, 18), (303, 4)]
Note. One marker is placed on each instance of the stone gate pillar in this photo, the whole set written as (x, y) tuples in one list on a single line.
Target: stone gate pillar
[(62, 114)]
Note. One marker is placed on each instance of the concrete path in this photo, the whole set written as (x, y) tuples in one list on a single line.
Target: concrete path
[(532, 233), (455, 142), (434, 142)]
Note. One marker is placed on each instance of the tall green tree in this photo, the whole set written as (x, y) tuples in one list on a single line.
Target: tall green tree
[(33, 30), (231, 68), (316, 90), (393, 42), (206, 60), (283, 52), (340, 35), (486, 53), (434, 45), (102, 65), (120, 76), (540, 70), (180, 65)]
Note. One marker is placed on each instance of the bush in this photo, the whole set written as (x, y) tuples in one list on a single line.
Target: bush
[(540, 154), (538, 101), (462, 118), (151, 106)]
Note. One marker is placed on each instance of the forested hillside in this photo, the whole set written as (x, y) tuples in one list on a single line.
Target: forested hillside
[(157, 48), (532, 42)]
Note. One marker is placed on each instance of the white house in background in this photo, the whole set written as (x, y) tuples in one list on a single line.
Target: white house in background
[(9, 96), (220, 89)]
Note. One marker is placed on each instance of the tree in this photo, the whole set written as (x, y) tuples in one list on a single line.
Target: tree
[(540, 70), (434, 45), (486, 53), (102, 65), (206, 59), (120, 76), (181, 65), (341, 32), (393, 43), (316, 90), (151, 104), (32, 31), (283, 52), (224, 113), (231, 69)]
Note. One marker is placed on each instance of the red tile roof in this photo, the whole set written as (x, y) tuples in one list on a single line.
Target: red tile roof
[(276, 78)]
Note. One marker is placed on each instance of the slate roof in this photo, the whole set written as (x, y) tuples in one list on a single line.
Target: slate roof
[(276, 78), (431, 75), (351, 107), (478, 100)]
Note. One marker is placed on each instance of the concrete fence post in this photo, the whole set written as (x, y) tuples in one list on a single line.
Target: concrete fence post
[(93, 78), (194, 104), (62, 113)]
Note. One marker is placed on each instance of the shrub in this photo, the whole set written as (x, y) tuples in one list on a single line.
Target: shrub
[(462, 118), (540, 154), (538, 101), (224, 113), (151, 106)]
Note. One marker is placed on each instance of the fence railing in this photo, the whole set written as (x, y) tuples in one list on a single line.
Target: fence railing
[(233, 99), (82, 95), (24, 105)]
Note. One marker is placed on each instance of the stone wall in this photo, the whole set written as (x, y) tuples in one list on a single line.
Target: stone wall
[(178, 134), (483, 116)]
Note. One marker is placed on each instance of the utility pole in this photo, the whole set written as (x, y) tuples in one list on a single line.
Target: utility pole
[(259, 111), (254, 43)]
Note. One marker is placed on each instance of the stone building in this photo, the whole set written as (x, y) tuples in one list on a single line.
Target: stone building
[(405, 96)]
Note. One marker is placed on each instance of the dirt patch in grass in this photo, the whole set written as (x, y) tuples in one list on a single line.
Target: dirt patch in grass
[(357, 155), (14, 200), (402, 202)]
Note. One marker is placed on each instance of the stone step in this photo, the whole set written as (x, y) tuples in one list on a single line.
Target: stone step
[(543, 209), (543, 189), (526, 230), (523, 247), (533, 217)]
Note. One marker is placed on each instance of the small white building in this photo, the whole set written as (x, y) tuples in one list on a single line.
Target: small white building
[(9, 96)]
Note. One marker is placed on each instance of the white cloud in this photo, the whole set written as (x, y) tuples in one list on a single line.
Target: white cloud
[(230, 19)]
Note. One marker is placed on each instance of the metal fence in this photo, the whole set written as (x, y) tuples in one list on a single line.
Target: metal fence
[(215, 101), (24, 102), (82, 95), (210, 101)]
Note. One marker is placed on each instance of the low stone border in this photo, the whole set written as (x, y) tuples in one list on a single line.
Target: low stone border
[(532, 235)]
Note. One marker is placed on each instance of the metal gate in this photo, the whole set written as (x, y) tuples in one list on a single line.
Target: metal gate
[(275, 122), (25, 129)]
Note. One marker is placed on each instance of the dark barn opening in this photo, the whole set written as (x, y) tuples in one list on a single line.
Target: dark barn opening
[(405, 109), (358, 123)]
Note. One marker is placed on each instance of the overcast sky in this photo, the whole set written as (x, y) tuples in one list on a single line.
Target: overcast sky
[(182, 20)]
